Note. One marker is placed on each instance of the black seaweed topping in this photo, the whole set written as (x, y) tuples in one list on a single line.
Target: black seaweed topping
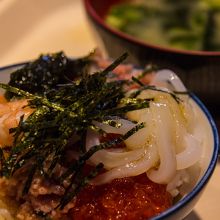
[(46, 73), (62, 112)]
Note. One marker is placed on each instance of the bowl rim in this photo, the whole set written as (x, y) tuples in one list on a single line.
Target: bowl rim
[(211, 166), (99, 20), (10, 66)]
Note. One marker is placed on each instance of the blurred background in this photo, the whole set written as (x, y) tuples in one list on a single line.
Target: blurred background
[(31, 27)]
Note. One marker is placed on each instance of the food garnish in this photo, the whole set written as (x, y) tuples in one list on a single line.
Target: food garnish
[(63, 109)]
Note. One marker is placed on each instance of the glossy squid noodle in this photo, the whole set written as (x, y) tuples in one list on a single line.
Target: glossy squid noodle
[(163, 149)]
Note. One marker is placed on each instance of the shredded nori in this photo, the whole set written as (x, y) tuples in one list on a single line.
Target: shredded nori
[(60, 113)]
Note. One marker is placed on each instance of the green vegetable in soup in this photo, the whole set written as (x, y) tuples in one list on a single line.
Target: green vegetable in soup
[(190, 25)]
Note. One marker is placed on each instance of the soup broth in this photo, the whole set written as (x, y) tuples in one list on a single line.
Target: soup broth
[(189, 25)]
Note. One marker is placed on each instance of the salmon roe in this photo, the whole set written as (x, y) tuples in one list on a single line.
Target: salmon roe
[(131, 198)]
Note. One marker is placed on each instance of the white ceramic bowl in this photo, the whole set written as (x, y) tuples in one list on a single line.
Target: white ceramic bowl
[(202, 175)]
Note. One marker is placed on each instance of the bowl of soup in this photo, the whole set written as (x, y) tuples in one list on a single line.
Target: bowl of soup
[(171, 24), (179, 35), (90, 138)]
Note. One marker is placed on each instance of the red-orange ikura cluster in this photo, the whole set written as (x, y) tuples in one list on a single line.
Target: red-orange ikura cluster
[(132, 198)]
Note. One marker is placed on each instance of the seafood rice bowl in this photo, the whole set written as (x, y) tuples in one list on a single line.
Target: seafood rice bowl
[(91, 138)]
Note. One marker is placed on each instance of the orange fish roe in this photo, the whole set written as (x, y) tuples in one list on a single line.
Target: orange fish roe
[(131, 198)]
